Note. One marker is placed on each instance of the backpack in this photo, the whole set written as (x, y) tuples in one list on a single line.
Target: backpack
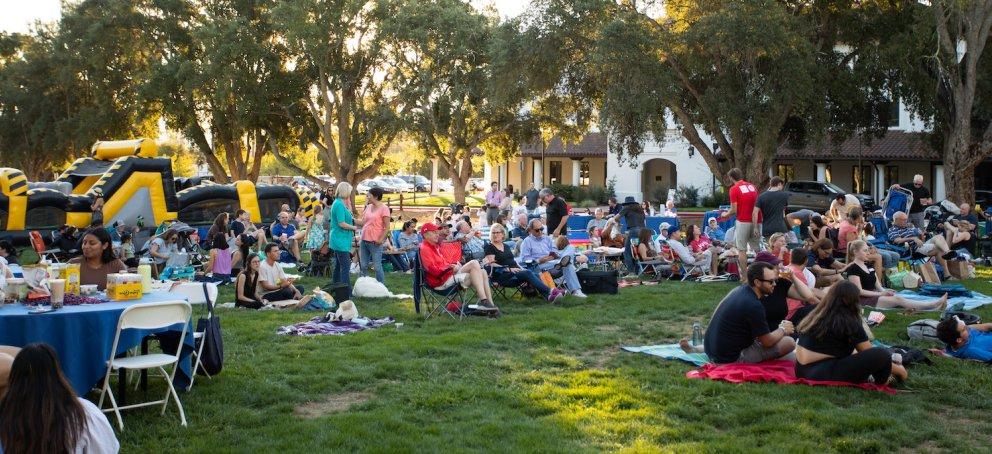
[(911, 356), (925, 329), (967, 317)]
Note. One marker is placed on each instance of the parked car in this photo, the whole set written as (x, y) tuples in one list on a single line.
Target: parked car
[(387, 186), (445, 186), (983, 198), (364, 186), (420, 182), (397, 183), (475, 184), (817, 196)]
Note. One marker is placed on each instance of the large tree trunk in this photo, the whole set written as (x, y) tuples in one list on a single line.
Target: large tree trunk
[(960, 161), (460, 173)]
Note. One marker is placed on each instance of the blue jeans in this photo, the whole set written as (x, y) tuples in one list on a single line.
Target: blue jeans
[(398, 261), (890, 259), (342, 266), (507, 278), (628, 257), (371, 253)]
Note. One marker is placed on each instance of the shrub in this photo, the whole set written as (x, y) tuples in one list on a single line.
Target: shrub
[(588, 203), (687, 196), (659, 194), (611, 188), (598, 194), (717, 198), (564, 191)]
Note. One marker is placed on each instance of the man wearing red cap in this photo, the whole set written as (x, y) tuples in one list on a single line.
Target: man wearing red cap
[(442, 272)]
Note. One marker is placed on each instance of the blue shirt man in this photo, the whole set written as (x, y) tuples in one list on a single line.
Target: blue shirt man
[(966, 341), (538, 248)]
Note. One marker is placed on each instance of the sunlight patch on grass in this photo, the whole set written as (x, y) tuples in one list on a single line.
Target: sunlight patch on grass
[(600, 404)]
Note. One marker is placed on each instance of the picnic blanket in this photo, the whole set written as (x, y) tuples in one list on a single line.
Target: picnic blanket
[(976, 300), (318, 327), (777, 371), (670, 351)]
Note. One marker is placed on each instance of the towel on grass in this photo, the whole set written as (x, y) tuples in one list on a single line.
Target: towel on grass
[(777, 371), (976, 299), (367, 287), (670, 351), (318, 327)]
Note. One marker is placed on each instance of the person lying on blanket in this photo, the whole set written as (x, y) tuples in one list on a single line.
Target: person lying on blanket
[(966, 341), (738, 331), (834, 346)]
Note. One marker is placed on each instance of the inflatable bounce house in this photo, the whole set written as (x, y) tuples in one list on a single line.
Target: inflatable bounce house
[(135, 184)]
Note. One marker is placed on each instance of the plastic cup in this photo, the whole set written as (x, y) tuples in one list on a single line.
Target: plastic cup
[(57, 287)]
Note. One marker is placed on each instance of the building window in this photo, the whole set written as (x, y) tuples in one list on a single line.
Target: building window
[(584, 173), (862, 179), (893, 111), (891, 176), (554, 171), (787, 172)]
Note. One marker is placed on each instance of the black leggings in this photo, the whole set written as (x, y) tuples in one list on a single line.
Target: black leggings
[(250, 304), (876, 362)]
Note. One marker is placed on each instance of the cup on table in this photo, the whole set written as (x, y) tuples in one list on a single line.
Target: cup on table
[(57, 287)]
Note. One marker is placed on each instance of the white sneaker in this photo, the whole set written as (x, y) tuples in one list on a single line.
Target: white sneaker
[(579, 294)]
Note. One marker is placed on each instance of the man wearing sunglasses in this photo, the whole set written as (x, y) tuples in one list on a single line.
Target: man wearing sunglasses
[(537, 252), (738, 331)]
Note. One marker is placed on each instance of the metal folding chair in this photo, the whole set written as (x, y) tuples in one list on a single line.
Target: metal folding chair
[(148, 316)]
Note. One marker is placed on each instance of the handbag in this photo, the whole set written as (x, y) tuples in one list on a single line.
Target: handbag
[(593, 282), (911, 280), (212, 357)]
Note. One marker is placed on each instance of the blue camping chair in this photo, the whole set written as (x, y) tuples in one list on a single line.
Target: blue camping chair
[(897, 200)]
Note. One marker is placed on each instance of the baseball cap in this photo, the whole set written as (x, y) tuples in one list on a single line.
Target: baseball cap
[(428, 227), (664, 226), (767, 257)]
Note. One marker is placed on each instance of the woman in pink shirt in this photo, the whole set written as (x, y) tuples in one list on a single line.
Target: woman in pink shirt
[(374, 229)]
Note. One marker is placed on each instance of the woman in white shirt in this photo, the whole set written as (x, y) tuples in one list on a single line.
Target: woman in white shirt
[(41, 413)]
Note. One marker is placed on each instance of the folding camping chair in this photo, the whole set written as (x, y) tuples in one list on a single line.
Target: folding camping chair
[(148, 316), (898, 199), (436, 301), (38, 244), (507, 293), (646, 266)]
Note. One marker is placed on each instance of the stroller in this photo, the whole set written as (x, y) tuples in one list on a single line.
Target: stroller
[(190, 253)]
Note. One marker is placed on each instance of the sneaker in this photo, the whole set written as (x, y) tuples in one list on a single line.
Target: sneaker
[(579, 294), (555, 295), (487, 305)]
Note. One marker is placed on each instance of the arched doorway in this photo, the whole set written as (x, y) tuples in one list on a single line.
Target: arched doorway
[(659, 178)]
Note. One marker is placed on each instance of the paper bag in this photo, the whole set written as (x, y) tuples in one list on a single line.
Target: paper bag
[(929, 273), (958, 269)]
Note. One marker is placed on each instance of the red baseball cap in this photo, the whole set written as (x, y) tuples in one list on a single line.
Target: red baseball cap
[(428, 227)]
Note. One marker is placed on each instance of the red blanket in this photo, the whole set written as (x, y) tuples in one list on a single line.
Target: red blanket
[(778, 371)]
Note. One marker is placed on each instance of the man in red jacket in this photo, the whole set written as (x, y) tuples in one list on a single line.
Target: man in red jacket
[(444, 271)]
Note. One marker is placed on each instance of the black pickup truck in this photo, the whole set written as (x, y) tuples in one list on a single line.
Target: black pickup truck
[(817, 195)]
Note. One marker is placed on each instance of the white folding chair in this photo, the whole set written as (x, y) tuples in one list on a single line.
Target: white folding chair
[(148, 316)]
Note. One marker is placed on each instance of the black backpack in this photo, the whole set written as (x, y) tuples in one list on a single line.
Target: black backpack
[(911, 356), (212, 357), (599, 281)]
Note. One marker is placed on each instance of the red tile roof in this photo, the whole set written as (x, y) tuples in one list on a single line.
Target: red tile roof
[(895, 145), (592, 145)]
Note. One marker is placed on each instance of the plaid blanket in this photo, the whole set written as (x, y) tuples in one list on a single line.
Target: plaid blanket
[(318, 327)]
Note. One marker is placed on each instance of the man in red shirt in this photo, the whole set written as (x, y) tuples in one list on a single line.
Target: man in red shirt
[(742, 198), (443, 270)]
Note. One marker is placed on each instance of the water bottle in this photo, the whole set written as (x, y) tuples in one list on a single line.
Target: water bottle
[(697, 334)]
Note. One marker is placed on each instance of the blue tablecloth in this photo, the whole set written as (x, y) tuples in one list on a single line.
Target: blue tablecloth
[(83, 336)]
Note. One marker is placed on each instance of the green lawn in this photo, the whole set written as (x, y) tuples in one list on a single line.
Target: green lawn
[(542, 378), (442, 199)]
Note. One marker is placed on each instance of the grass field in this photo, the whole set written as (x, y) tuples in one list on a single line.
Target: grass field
[(542, 378)]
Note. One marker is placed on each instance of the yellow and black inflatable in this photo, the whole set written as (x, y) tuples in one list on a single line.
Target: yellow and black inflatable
[(134, 182)]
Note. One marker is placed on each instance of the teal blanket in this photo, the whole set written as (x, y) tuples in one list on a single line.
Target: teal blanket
[(670, 351)]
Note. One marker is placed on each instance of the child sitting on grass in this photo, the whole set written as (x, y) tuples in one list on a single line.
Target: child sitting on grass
[(964, 341)]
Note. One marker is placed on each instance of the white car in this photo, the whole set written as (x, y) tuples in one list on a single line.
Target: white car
[(445, 186), (363, 187), (398, 183)]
